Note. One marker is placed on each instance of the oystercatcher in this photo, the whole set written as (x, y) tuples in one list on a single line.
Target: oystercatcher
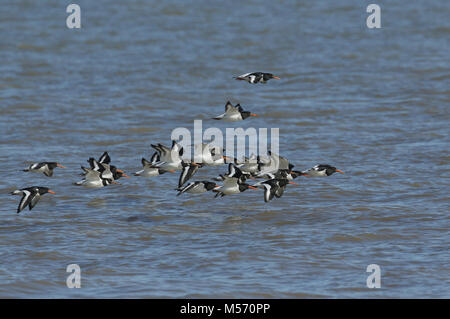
[(256, 77), (321, 170), (43, 167), (274, 187), (149, 170), (197, 187), (94, 178), (234, 113), (30, 196)]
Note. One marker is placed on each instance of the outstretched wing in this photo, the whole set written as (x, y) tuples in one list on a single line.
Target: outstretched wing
[(229, 107), (268, 192), (188, 171), (92, 175), (48, 172), (155, 158), (104, 158), (186, 188), (96, 166), (34, 199), (25, 200), (280, 190), (176, 151)]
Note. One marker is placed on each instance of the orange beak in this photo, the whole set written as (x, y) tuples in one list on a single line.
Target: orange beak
[(292, 183), (276, 77), (123, 175), (60, 166), (226, 157), (251, 114), (252, 187), (51, 192), (339, 171), (120, 171), (172, 171)]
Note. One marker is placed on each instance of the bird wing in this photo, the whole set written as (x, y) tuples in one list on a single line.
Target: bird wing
[(188, 171), (177, 150), (37, 165), (155, 158), (96, 166), (239, 108), (268, 192), (221, 116), (104, 158), (48, 172), (279, 191), (25, 200), (145, 162), (230, 182), (186, 188), (34, 199), (164, 151), (245, 75), (91, 174), (229, 108)]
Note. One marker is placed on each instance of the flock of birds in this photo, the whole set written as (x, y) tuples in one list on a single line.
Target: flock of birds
[(275, 170)]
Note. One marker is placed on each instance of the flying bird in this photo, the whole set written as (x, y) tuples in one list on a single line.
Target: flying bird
[(43, 167), (94, 178), (189, 169), (233, 113), (30, 196), (274, 187), (256, 77), (148, 169), (321, 170), (169, 158), (107, 171), (197, 187), (209, 154)]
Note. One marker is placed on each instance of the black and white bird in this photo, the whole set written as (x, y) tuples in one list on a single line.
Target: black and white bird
[(197, 187), (234, 172), (257, 77), (43, 167), (209, 154), (274, 187), (283, 174), (321, 170), (30, 196), (148, 169), (232, 185), (169, 158), (233, 113), (249, 164), (104, 159), (273, 164), (233, 182), (106, 170), (93, 178)]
